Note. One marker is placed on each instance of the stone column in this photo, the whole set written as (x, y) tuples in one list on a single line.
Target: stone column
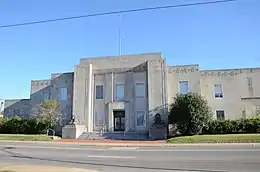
[(129, 98), (90, 97), (109, 92)]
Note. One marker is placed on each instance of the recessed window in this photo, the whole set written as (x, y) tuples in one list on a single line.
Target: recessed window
[(218, 91), (220, 115), (99, 91), (140, 118), (120, 91), (45, 95), (183, 87), (140, 90), (63, 93)]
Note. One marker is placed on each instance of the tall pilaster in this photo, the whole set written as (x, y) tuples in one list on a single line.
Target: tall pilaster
[(157, 89)]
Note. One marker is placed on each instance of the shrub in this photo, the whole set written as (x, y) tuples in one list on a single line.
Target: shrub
[(251, 125), (23, 126), (190, 112)]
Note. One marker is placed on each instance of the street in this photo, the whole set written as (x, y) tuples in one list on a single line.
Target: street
[(117, 159)]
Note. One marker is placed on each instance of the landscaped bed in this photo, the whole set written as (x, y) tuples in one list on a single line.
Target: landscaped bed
[(21, 137), (223, 138)]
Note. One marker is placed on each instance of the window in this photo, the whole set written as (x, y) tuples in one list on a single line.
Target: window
[(99, 91), (218, 91), (140, 118), (220, 114), (139, 90), (63, 94), (45, 95), (184, 87), (120, 91)]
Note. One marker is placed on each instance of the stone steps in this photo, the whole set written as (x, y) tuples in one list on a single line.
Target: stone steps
[(114, 136)]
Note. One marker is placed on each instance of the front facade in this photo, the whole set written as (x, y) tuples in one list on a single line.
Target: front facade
[(123, 93)]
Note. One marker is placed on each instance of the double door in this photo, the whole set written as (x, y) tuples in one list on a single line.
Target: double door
[(119, 120)]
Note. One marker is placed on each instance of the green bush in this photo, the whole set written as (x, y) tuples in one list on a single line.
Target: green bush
[(22, 126), (190, 113), (233, 126)]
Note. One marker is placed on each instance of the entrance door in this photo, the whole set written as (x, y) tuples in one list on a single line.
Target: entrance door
[(119, 120)]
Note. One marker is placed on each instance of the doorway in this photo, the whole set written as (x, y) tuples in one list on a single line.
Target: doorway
[(119, 120)]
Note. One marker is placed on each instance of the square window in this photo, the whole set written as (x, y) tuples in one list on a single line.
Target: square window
[(220, 115), (63, 93), (45, 95), (218, 91), (120, 91), (99, 91), (140, 90), (183, 87)]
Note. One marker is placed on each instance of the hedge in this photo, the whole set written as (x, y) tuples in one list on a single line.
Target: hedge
[(233, 126), (22, 126)]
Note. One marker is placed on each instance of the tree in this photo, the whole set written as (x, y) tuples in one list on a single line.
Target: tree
[(48, 111), (190, 112)]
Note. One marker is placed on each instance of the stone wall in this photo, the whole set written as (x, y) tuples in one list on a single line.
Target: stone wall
[(241, 90), (44, 89), (188, 73), (17, 107), (58, 81), (124, 61)]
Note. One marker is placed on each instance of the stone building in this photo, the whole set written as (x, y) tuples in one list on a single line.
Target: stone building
[(123, 93)]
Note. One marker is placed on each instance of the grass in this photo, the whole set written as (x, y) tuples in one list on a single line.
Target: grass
[(21, 137), (223, 138)]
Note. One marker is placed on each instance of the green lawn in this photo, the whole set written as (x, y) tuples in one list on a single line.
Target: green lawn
[(21, 137), (224, 138)]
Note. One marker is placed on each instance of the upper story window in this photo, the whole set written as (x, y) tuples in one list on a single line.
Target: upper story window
[(183, 87), (45, 95), (218, 91), (120, 91), (63, 93), (99, 91), (140, 90), (220, 115)]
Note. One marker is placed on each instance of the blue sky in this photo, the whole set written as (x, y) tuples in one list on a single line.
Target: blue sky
[(225, 35)]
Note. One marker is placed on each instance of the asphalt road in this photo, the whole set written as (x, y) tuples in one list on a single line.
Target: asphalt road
[(116, 159)]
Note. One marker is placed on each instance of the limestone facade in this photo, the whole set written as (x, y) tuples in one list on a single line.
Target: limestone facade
[(123, 93)]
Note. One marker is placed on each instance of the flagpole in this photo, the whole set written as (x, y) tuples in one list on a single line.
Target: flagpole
[(119, 36)]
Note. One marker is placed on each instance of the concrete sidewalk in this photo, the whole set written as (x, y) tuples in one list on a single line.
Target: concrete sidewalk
[(163, 143), (39, 168)]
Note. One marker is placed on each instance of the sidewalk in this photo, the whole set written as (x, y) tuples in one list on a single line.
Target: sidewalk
[(39, 168), (121, 143)]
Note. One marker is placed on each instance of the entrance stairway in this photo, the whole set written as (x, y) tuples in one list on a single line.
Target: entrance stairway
[(114, 136)]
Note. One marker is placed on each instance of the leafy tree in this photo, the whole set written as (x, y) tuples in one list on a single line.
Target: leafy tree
[(48, 111), (190, 112)]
